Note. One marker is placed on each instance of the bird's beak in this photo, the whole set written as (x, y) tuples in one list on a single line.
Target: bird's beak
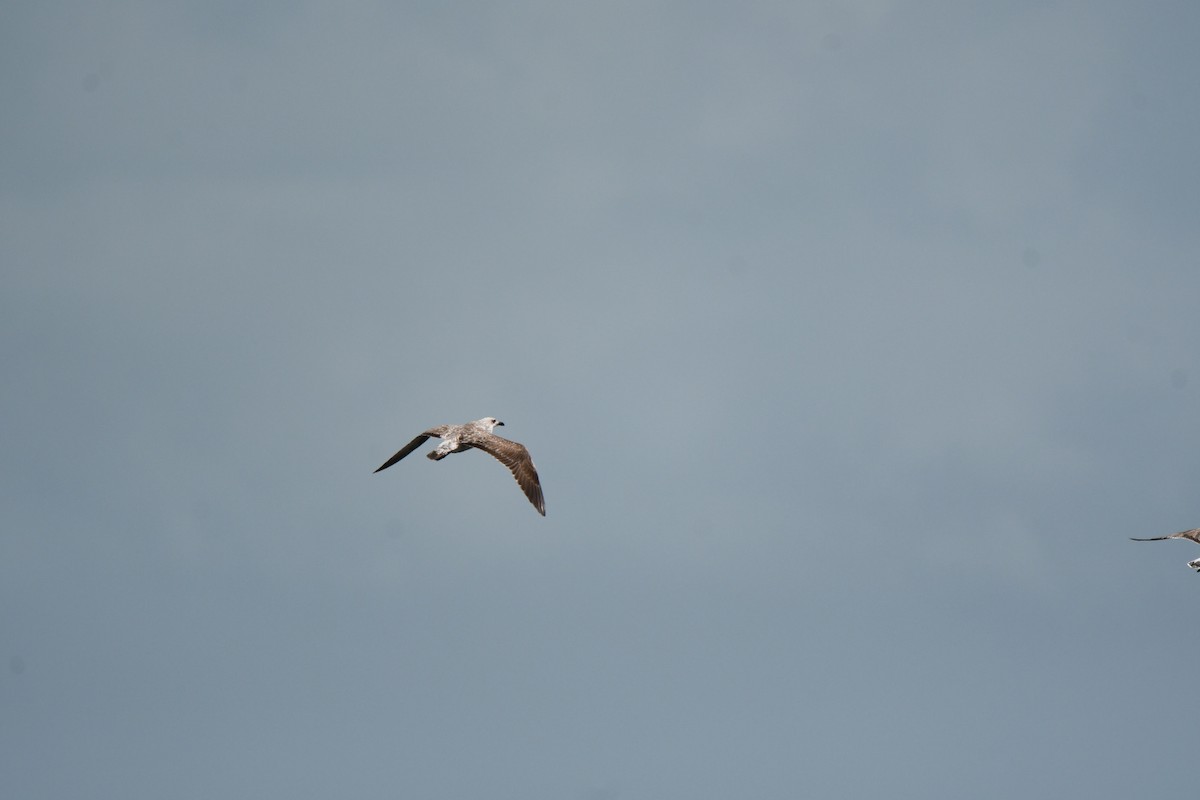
[(498, 422)]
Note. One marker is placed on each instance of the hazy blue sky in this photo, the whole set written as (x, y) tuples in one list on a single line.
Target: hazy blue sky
[(851, 339)]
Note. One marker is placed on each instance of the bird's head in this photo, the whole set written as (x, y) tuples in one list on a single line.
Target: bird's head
[(490, 422)]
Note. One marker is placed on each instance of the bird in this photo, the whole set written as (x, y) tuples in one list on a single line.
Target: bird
[(1193, 534), (478, 434)]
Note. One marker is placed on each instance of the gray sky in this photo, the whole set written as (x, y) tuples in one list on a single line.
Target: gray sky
[(852, 341)]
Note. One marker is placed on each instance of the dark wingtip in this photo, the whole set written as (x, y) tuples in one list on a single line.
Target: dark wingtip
[(386, 464)]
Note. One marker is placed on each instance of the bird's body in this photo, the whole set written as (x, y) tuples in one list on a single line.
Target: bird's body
[(1192, 535), (478, 434)]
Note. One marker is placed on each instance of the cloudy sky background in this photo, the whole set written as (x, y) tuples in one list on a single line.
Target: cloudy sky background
[(852, 340)]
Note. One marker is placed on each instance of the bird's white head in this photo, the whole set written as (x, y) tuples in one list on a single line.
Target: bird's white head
[(489, 423)]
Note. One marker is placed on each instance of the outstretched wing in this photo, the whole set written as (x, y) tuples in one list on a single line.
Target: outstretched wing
[(1193, 534), (514, 456), (413, 445)]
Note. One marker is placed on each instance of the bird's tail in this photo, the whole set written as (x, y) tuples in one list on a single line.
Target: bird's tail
[(434, 455)]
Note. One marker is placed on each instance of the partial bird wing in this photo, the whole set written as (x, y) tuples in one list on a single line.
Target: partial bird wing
[(1193, 534), (514, 456), (413, 445)]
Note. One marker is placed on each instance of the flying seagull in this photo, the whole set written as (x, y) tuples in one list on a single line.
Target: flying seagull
[(1193, 534), (457, 438)]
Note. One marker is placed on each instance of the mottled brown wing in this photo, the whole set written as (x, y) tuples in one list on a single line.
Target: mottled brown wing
[(413, 445), (1193, 534), (514, 456)]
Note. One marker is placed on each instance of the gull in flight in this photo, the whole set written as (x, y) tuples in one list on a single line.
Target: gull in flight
[(1193, 534), (457, 438)]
